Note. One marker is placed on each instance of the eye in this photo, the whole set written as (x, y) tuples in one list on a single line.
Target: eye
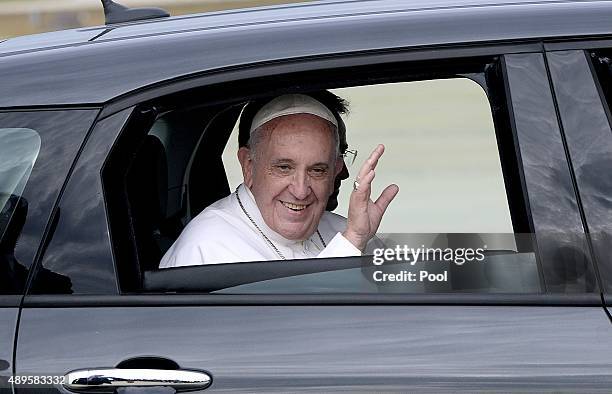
[(283, 168), (318, 172)]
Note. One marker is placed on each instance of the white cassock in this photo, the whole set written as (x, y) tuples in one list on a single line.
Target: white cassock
[(222, 233)]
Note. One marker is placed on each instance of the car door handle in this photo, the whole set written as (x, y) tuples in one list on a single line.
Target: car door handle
[(107, 380)]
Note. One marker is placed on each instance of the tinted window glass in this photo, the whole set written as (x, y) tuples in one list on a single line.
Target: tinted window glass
[(80, 249), (563, 252), (36, 151), (18, 152), (19, 148), (586, 102)]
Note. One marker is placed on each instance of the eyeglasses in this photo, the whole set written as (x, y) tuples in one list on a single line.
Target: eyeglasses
[(349, 156)]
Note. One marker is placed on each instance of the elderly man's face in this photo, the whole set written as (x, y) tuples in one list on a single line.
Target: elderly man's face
[(293, 174)]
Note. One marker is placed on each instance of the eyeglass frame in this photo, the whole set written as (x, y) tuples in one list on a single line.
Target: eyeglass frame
[(352, 153)]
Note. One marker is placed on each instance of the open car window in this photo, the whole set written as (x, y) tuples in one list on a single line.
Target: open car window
[(441, 150), (461, 222)]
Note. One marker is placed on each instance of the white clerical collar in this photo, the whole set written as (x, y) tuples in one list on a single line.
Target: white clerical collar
[(250, 205)]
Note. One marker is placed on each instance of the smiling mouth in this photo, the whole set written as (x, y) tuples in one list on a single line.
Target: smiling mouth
[(294, 207)]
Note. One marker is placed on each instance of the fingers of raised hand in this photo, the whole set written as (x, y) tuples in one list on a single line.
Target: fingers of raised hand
[(364, 183), (386, 197), (372, 161)]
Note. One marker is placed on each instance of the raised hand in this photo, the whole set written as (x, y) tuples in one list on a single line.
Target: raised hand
[(364, 215)]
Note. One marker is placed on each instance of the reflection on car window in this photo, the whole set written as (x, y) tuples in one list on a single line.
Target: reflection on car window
[(19, 149), (445, 263)]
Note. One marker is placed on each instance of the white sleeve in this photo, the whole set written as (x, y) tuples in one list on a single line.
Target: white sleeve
[(339, 247), (182, 254)]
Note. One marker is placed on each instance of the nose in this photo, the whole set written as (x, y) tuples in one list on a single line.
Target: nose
[(300, 185)]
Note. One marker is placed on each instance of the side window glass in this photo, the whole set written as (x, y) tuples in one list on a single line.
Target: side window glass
[(37, 149), (18, 152), (585, 102), (19, 148)]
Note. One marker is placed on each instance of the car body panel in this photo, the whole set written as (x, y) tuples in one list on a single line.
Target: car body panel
[(105, 69), (291, 13), (340, 348), (45, 41)]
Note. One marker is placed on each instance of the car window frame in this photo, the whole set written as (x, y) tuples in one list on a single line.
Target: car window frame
[(59, 241), (468, 63), (187, 87)]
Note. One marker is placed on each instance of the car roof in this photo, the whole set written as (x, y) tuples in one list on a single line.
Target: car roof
[(95, 65)]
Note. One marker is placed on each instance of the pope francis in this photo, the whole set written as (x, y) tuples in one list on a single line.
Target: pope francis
[(278, 212)]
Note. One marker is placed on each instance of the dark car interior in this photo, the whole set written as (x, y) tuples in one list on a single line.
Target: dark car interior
[(175, 173)]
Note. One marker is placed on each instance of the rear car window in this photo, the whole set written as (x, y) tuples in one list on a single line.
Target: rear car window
[(18, 152), (37, 148), (19, 148)]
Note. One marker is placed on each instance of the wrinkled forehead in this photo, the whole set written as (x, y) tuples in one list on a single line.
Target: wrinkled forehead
[(299, 135)]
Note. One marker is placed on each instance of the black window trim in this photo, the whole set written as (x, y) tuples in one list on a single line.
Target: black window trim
[(10, 300), (578, 43), (349, 299)]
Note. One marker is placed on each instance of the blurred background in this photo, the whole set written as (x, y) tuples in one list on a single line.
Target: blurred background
[(19, 17)]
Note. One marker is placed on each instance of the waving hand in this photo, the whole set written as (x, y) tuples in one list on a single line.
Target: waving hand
[(364, 215)]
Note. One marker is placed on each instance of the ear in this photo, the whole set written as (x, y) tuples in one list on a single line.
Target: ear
[(339, 166), (244, 157)]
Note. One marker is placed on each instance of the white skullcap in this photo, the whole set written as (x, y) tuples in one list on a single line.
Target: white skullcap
[(291, 104)]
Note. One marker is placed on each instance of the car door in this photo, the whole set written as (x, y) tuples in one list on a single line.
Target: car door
[(540, 328)]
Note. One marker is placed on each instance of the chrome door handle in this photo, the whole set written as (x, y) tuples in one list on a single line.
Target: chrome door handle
[(107, 380)]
